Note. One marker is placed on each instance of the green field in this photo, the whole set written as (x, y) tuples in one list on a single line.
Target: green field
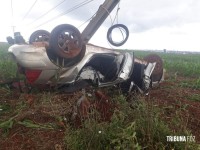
[(187, 65), (40, 119), (7, 66)]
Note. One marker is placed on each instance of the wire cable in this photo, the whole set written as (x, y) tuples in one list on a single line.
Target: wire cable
[(29, 10), (48, 12), (12, 17), (11, 5), (87, 20), (120, 27), (112, 21), (107, 12), (66, 12), (117, 13), (116, 18)]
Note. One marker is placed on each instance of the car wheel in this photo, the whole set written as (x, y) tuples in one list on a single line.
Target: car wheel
[(65, 41), (62, 62), (158, 70), (39, 36)]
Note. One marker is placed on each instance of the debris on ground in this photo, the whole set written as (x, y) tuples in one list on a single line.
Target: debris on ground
[(39, 121)]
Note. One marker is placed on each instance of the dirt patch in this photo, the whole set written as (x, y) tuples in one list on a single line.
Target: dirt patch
[(55, 110), (25, 138), (46, 112), (169, 94), (40, 120)]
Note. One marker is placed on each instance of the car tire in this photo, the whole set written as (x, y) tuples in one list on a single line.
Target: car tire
[(39, 36), (109, 35), (58, 61), (158, 70), (65, 41)]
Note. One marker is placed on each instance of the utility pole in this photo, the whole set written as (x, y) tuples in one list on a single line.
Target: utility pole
[(13, 30), (101, 15)]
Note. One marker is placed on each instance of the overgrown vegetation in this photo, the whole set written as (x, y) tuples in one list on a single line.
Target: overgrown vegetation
[(187, 65), (138, 122), (7, 66), (144, 125)]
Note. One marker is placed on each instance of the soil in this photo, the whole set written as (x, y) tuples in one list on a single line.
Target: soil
[(169, 94), (47, 111)]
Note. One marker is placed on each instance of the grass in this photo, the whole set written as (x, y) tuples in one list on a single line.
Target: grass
[(142, 127), (194, 97), (7, 66), (139, 123), (187, 65), (193, 84)]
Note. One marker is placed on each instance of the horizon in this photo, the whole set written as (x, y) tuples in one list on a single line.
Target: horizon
[(152, 24), (149, 50)]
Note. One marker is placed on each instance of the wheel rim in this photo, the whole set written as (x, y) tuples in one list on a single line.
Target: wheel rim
[(69, 43), (42, 38)]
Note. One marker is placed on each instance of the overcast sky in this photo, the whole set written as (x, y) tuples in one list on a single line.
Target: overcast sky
[(153, 24)]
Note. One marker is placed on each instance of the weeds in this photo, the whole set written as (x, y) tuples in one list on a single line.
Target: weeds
[(187, 65), (6, 126), (8, 67), (194, 84), (4, 108), (142, 127), (31, 124), (113, 135), (194, 97)]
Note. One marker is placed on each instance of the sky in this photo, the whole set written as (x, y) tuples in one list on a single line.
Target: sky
[(152, 24)]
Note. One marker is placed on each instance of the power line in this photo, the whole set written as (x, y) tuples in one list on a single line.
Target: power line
[(112, 20), (66, 12), (12, 17), (29, 10), (87, 20), (48, 11), (11, 5)]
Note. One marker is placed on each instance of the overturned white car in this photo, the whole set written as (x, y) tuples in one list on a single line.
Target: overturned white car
[(64, 57), (63, 62)]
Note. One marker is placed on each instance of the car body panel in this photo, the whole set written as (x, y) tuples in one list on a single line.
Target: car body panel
[(30, 56), (102, 66), (35, 57)]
